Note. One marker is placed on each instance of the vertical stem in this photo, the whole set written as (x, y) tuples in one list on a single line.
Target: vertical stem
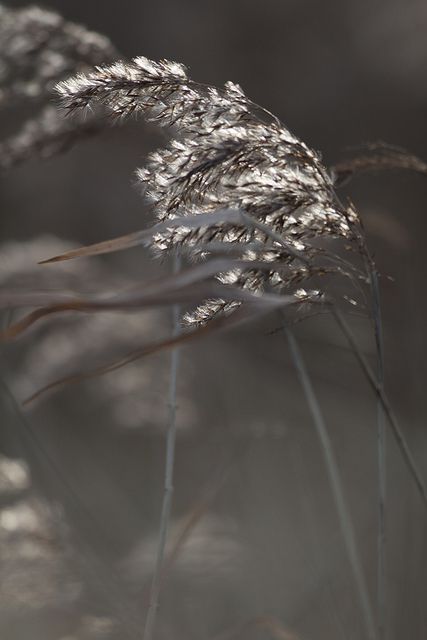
[(335, 482), (382, 470), (168, 485)]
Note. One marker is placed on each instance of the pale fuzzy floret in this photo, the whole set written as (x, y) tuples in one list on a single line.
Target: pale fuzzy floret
[(125, 87)]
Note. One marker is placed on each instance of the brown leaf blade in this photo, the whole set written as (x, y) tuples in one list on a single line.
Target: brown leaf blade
[(249, 311), (142, 237), (190, 286), (202, 220)]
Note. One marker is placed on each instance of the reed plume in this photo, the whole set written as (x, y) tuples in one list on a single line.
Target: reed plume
[(227, 153)]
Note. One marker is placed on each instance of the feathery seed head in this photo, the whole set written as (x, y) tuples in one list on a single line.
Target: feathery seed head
[(39, 48), (227, 154)]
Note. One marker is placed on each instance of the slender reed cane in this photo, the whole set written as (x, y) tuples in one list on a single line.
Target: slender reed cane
[(335, 482), (168, 485), (382, 468)]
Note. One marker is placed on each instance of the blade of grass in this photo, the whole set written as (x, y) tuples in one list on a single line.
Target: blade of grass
[(202, 220), (258, 307), (192, 285)]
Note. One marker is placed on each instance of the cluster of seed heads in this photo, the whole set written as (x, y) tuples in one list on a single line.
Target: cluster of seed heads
[(226, 153)]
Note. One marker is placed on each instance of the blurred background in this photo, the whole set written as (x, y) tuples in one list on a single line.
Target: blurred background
[(256, 550)]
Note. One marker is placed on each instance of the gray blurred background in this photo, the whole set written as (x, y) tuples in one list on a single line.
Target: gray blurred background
[(81, 472)]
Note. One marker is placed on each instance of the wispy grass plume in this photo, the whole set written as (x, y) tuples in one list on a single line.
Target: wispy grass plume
[(227, 153)]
